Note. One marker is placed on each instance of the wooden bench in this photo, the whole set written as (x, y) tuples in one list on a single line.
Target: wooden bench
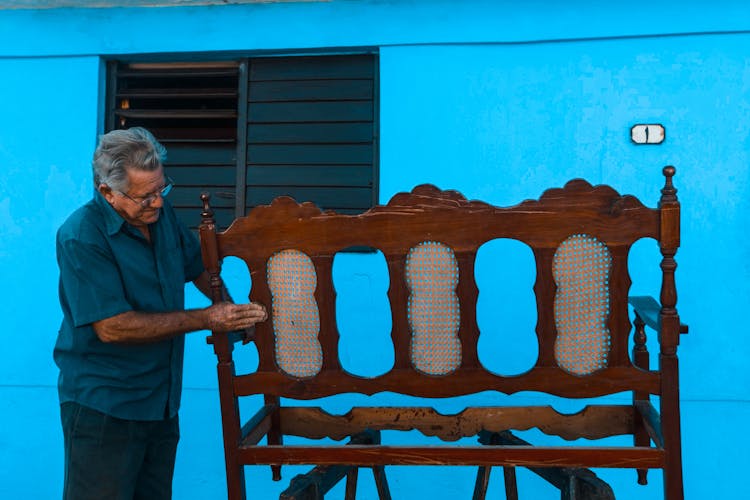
[(580, 236)]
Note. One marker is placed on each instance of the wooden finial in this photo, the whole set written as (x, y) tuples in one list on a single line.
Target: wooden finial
[(206, 198), (207, 215), (668, 192)]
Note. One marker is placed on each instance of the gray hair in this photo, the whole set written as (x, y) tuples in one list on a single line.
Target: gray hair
[(120, 150)]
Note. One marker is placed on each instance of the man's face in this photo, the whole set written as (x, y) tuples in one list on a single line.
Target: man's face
[(130, 204)]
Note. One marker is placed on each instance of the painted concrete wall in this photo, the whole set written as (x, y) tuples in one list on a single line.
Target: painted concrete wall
[(495, 99)]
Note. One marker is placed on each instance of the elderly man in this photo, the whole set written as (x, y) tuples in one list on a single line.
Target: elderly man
[(124, 259)]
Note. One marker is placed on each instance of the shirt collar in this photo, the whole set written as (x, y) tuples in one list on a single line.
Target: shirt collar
[(112, 219)]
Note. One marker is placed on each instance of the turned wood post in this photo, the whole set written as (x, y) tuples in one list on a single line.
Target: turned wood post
[(223, 350), (669, 336)]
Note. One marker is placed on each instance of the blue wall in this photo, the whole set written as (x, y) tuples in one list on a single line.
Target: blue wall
[(495, 99)]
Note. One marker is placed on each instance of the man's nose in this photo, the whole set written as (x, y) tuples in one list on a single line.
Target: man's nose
[(158, 201)]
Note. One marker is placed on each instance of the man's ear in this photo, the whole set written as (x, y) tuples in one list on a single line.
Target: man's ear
[(107, 192)]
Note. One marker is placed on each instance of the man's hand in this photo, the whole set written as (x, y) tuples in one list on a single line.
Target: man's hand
[(227, 317)]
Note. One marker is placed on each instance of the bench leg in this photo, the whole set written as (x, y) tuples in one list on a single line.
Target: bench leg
[(381, 483), (236, 482), (230, 423), (483, 479), (511, 486), (670, 418), (351, 484)]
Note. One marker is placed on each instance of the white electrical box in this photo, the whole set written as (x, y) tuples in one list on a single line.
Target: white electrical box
[(647, 134)]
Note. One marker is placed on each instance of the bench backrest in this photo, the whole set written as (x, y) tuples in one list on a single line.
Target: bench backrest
[(580, 236)]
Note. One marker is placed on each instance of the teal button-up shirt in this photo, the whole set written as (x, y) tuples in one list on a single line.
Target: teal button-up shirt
[(107, 267)]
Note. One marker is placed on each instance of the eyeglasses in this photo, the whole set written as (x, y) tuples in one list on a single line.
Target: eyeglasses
[(146, 201)]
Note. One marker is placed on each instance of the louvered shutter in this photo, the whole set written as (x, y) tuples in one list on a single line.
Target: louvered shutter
[(311, 131), (249, 130), (191, 108)]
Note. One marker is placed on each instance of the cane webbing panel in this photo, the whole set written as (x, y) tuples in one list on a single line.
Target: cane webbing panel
[(581, 268), (433, 308), (296, 320)]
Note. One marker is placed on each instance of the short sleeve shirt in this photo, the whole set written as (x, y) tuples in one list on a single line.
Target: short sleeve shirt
[(107, 268)]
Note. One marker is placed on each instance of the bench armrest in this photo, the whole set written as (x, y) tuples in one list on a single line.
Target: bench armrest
[(648, 309)]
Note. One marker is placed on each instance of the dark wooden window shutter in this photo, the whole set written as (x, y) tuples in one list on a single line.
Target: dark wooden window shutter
[(311, 131), (191, 108), (252, 129)]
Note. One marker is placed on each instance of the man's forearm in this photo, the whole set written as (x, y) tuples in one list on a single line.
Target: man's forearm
[(139, 327)]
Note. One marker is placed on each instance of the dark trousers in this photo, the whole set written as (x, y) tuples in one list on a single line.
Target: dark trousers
[(107, 458)]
